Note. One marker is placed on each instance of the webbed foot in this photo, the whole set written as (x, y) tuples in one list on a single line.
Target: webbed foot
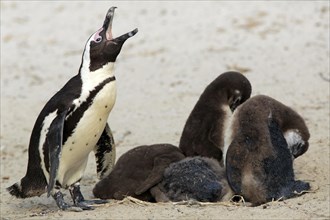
[(80, 201), (58, 196)]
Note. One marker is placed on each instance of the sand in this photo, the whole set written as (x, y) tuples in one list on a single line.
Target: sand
[(281, 47)]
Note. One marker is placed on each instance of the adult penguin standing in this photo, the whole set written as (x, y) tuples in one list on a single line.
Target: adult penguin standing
[(73, 123)]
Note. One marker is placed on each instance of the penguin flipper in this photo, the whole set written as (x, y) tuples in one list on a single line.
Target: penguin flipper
[(54, 141), (235, 161), (155, 176), (280, 170), (105, 153), (276, 135), (215, 141)]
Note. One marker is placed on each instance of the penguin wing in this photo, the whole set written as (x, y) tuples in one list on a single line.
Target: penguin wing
[(155, 176), (214, 139), (236, 159), (278, 166), (201, 137), (105, 153), (54, 142)]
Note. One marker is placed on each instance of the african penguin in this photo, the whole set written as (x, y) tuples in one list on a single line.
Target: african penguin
[(137, 171), (266, 137), (73, 123), (193, 178), (203, 133)]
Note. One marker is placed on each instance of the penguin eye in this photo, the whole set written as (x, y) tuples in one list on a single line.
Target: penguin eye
[(98, 40)]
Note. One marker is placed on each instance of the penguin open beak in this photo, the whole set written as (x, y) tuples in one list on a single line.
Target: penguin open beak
[(107, 25)]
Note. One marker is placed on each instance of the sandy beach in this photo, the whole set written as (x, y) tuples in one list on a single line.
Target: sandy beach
[(281, 47)]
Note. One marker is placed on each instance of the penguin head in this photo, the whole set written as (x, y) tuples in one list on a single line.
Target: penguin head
[(101, 48), (238, 89), (231, 88), (297, 141)]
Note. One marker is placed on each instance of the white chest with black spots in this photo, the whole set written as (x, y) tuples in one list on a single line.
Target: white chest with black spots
[(76, 149), (84, 137)]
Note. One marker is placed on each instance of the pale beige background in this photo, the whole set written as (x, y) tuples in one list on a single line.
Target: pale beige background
[(282, 47)]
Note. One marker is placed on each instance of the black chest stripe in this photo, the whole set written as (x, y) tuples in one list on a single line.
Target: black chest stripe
[(72, 121)]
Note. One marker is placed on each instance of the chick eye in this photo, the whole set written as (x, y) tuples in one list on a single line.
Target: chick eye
[(98, 40)]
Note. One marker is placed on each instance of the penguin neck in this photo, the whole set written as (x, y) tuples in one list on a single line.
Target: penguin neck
[(228, 120), (91, 79)]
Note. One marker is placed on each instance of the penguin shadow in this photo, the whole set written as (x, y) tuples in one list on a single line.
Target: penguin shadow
[(266, 138)]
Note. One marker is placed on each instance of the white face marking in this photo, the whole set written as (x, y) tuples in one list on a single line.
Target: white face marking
[(44, 130), (293, 137), (86, 55), (92, 79), (227, 136), (97, 37)]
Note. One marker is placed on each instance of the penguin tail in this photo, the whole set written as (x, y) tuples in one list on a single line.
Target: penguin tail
[(16, 190), (28, 188)]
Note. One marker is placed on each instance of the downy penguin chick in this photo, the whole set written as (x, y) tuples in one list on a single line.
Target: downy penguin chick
[(259, 160), (193, 178), (73, 123), (137, 171), (203, 133)]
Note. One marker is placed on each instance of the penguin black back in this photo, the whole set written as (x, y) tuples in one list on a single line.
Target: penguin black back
[(137, 171), (203, 133), (259, 162)]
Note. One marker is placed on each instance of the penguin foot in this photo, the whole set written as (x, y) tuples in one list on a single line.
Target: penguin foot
[(95, 201), (79, 199), (79, 206), (88, 204), (84, 206), (76, 194), (58, 196)]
